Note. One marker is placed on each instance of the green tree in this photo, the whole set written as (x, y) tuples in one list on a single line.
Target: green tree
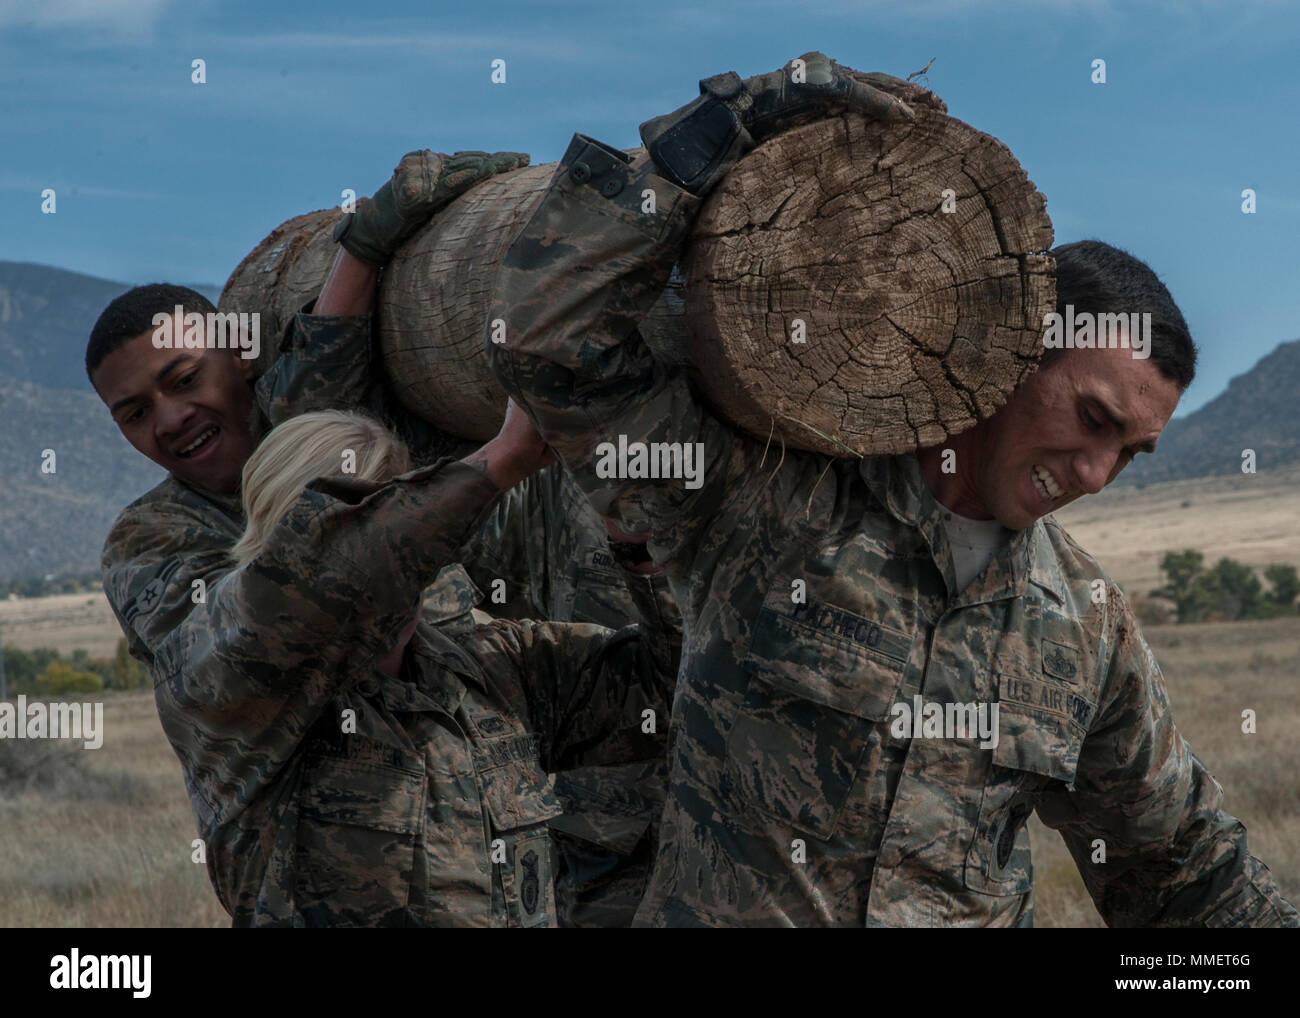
[(23, 667), (1285, 584), (1183, 568), (1231, 589), (125, 671)]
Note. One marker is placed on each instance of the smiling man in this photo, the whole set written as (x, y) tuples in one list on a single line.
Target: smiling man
[(199, 413), (817, 594), (191, 411)]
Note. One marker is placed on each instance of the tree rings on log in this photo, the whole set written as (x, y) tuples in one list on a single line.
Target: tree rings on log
[(833, 303)]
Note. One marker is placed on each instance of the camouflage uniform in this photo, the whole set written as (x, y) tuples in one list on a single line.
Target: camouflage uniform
[(816, 594), (329, 793), (550, 548)]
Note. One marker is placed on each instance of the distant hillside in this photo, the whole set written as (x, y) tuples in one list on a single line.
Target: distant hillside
[(56, 523), (46, 315), (1259, 410)]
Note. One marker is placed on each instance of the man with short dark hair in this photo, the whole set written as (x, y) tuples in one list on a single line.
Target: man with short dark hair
[(198, 412), (1097, 278), (825, 600)]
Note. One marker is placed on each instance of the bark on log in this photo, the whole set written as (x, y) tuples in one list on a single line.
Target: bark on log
[(917, 321)]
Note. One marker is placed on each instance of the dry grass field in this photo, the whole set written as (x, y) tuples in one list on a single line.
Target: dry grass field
[(1215, 670), (102, 838), (1253, 518), (64, 622), (93, 838)]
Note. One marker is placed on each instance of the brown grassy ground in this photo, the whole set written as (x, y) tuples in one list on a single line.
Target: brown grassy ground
[(102, 837), (64, 622), (93, 838), (1214, 671)]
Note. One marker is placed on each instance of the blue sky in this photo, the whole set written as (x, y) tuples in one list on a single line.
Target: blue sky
[(159, 178)]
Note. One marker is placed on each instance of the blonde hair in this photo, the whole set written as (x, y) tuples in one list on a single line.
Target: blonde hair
[(303, 448)]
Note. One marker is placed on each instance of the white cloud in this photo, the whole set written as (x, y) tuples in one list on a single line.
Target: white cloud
[(434, 45), (64, 189), (125, 16)]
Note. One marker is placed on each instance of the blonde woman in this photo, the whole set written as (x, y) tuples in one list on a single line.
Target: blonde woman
[(351, 764)]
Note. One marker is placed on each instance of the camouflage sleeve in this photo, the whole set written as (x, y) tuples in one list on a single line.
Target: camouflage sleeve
[(1173, 857), (338, 579), (330, 363), (161, 556), (325, 365), (501, 550), (594, 696), (578, 278)]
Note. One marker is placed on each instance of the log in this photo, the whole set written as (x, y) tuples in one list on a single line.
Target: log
[(916, 321)]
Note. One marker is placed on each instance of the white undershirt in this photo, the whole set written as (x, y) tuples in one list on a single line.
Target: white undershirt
[(973, 543)]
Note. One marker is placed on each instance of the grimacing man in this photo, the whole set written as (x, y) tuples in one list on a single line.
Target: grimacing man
[(965, 588)]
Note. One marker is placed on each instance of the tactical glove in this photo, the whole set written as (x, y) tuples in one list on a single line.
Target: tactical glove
[(697, 145), (423, 183)]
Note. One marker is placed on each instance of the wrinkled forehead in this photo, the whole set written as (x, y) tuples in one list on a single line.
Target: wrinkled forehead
[(1134, 387)]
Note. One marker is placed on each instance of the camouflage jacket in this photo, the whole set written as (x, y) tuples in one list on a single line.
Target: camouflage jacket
[(329, 793), (548, 548), (543, 553), (817, 594)]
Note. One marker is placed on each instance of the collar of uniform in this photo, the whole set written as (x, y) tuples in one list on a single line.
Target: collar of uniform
[(438, 647), (1044, 566), (433, 675), (1027, 558), (438, 690), (451, 595), (898, 483)]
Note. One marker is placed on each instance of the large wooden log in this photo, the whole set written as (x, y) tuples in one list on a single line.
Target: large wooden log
[(915, 321)]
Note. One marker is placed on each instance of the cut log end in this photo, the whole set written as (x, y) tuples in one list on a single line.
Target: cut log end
[(870, 288)]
